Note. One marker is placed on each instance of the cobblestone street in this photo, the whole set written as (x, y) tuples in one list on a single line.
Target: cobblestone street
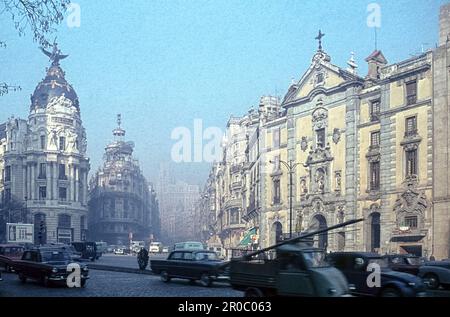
[(106, 284)]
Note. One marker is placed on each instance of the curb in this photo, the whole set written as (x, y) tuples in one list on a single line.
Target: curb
[(118, 269)]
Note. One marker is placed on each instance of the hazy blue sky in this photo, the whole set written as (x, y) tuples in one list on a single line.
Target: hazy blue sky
[(163, 64)]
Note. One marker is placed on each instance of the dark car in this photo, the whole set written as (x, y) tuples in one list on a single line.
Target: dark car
[(48, 265), (8, 254), (193, 265), (355, 266), (406, 263), (436, 273), (88, 250)]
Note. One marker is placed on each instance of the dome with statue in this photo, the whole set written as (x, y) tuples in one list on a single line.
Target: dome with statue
[(54, 85)]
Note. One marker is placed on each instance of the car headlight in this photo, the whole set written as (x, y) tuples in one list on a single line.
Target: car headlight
[(55, 270), (331, 291)]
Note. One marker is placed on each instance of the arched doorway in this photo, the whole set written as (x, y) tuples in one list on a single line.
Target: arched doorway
[(40, 229), (319, 222), (277, 233), (374, 231)]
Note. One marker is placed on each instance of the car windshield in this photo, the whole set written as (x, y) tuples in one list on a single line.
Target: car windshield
[(206, 256), (51, 256), (380, 261), (414, 261), (315, 259)]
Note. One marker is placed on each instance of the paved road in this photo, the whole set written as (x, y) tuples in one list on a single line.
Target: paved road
[(128, 261), (113, 284)]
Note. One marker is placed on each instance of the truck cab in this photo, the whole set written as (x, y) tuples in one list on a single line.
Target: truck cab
[(295, 270)]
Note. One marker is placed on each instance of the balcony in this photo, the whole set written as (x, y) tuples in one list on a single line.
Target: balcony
[(411, 100)]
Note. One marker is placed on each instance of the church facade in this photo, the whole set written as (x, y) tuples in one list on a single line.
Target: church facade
[(44, 163), (371, 146)]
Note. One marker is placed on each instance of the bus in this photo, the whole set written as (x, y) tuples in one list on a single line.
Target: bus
[(189, 245)]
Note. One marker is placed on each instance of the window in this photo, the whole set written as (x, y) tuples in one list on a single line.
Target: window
[(375, 110), (411, 162), (7, 173), (320, 137), (62, 143), (411, 126), (7, 194), (411, 92), (411, 222), (63, 193), (374, 175), (276, 138), (276, 191), (234, 216), (42, 192), (64, 221), (62, 171), (42, 170), (42, 142), (375, 139)]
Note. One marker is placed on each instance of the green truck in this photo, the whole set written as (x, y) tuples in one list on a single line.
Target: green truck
[(290, 268)]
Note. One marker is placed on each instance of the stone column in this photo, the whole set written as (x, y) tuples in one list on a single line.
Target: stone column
[(72, 182), (33, 181), (85, 180), (48, 170), (77, 183), (55, 181)]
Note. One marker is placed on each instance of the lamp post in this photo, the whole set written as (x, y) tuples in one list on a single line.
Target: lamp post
[(291, 168)]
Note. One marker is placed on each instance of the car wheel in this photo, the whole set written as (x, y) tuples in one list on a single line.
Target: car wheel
[(205, 280), (431, 280), (253, 292), (165, 277), (22, 278), (390, 292)]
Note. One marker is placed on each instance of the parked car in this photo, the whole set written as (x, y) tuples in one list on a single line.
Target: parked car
[(47, 265), (8, 254), (193, 265), (88, 250), (406, 263), (119, 250), (354, 265), (435, 274), (165, 250)]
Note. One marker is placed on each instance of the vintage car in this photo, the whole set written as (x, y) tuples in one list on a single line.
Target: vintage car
[(289, 270), (355, 266), (193, 265), (8, 254), (435, 274), (48, 265), (88, 250), (406, 263)]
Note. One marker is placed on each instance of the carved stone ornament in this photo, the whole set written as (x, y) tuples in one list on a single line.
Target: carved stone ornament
[(303, 186), (320, 118), (304, 143), (336, 135), (338, 178), (410, 203)]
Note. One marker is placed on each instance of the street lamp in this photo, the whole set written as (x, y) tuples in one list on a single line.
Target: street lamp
[(291, 168)]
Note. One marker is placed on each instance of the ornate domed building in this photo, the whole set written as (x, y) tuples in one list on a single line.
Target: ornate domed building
[(122, 205), (44, 159)]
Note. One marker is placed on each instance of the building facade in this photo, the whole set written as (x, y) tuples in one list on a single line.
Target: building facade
[(178, 205), (122, 205), (372, 147), (43, 160)]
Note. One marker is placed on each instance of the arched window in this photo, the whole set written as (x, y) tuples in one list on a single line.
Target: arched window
[(277, 232)]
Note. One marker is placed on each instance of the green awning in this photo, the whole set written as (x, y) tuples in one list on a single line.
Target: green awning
[(247, 238)]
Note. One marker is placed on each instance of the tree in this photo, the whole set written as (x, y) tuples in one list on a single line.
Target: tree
[(37, 16)]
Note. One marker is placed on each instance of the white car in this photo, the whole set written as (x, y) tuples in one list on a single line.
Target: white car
[(119, 251), (165, 250)]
